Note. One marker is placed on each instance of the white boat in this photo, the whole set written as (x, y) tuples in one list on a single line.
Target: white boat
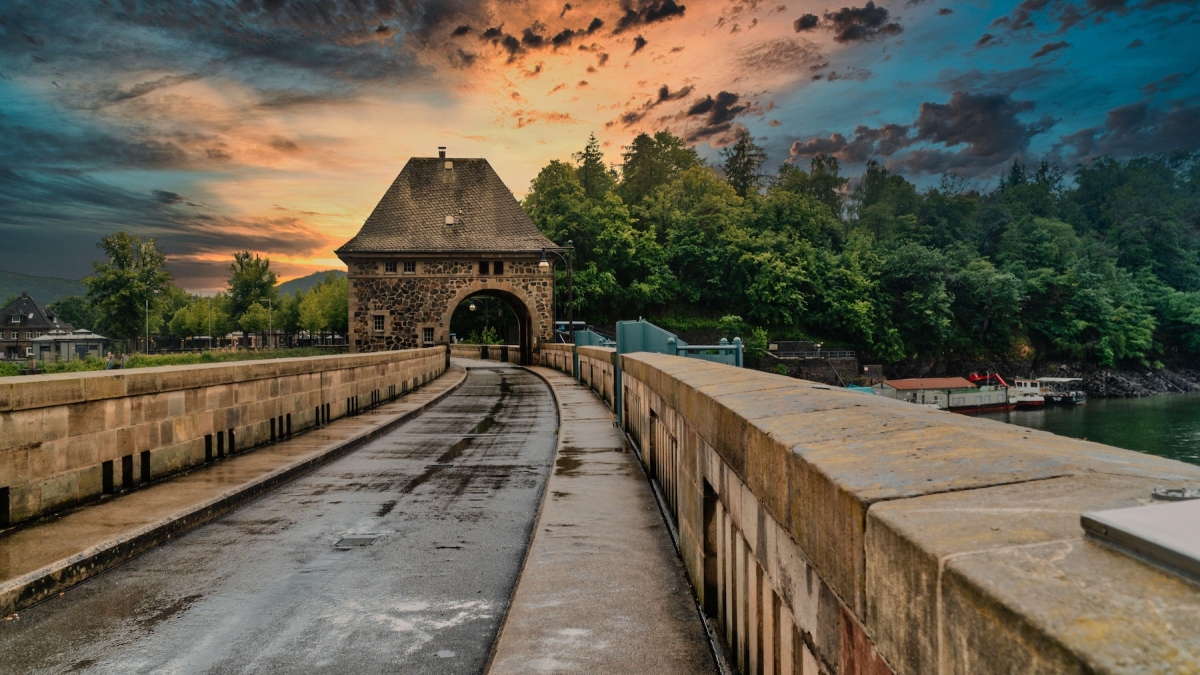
[(1028, 393)]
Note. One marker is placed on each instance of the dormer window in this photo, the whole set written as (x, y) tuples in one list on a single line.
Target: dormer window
[(16, 318)]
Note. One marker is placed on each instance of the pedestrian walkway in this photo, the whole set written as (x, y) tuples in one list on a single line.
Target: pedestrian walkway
[(42, 558), (603, 590)]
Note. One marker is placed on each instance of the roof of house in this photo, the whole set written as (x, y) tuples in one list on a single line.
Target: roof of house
[(931, 383), (32, 315), (413, 212)]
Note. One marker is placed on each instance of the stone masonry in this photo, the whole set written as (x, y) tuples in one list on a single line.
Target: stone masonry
[(409, 302)]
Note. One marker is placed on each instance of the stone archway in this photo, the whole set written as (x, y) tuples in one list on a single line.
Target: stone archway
[(529, 319)]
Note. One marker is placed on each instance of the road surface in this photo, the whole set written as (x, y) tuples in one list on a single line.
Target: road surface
[(447, 502)]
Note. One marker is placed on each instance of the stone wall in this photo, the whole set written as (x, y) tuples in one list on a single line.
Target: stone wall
[(71, 437), (830, 532), (427, 298)]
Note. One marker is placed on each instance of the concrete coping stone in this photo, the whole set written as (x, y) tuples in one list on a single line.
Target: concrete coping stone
[(23, 392)]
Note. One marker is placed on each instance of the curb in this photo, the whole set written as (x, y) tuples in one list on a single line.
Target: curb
[(31, 588), (537, 521)]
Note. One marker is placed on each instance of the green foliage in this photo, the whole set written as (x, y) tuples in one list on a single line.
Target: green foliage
[(486, 336), (326, 306), (1102, 266), (594, 177), (75, 310), (119, 289), (743, 158), (255, 319), (250, 280), (152, 360)]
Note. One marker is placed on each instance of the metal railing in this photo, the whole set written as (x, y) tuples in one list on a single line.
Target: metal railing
[(832, 354)]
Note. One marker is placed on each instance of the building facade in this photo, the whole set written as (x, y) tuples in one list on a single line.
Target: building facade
[(446, 230), (22, 322)]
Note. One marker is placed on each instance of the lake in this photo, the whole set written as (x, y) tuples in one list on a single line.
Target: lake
[(1167, 426)]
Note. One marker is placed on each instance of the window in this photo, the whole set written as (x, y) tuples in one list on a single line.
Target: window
[(16, 318), (28, 335), (498, 267), (38, 334), (29, 351), (378, 323), (483, 267), (410, 267), (389, 267), (427, 335)]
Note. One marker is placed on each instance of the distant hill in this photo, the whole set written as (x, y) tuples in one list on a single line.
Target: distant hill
[(305, 283), (43, 289)]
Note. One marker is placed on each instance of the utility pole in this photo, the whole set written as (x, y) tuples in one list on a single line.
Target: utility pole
[(270, 323), (210, 338)]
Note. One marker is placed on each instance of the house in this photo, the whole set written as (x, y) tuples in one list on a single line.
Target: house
[(23, 321), (956, 394), (61, 345)]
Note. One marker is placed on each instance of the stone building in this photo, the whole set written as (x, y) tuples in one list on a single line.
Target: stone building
[(446, 230), (23, 321)]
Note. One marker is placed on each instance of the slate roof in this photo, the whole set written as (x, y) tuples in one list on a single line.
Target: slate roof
[(412, 214), (32, 316)]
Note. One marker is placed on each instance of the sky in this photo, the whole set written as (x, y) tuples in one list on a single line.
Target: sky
[(276, 125)]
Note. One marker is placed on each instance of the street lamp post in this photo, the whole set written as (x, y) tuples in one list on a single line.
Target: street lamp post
[(148, 320), (567, 255)]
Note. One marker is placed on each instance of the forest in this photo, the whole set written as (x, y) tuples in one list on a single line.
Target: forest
[(1096, 264)]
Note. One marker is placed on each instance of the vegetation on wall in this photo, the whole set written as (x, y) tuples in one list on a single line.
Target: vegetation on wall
[(1099, 265)]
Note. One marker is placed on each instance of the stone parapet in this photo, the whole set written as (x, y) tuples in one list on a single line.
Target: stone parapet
[(71, 437), (501, 353), (831, 531)]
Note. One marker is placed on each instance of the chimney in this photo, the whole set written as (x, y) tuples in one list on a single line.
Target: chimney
[(441, 152)]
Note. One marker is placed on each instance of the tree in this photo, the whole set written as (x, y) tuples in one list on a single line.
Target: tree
[(250, 280), (596, 179), (119, 289), (255, 319), (651, 162), (326, 306), (75, 310), (742, 161)]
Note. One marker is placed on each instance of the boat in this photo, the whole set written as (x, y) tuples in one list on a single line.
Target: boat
[(1027, 393), (1063, 390), (956, 394)]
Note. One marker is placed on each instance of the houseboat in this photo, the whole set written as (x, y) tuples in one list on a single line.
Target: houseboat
[(1063, 390), (956, 394)]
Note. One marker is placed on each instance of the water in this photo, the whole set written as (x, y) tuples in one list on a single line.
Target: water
[(1167, 426)]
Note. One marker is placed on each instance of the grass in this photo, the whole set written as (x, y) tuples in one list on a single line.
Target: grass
[(153, 360)]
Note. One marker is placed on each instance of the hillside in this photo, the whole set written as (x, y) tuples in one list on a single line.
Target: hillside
[(43, 289), (305, 283)]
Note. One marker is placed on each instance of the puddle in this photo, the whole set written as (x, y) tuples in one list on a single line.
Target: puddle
[(567, 466)]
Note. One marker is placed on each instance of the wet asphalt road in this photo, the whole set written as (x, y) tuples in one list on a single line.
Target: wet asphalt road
[(452, 496)]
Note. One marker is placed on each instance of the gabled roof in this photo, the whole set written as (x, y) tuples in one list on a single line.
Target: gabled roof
[(32, 316), (411, 217), (931, 383)]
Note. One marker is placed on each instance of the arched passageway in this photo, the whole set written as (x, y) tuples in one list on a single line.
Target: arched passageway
[(500, 310)]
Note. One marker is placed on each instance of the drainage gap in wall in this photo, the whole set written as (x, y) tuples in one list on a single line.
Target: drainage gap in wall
[(208, 449), (5, 513), (145, 466), (106, 477), (231, 441), (127, 472)]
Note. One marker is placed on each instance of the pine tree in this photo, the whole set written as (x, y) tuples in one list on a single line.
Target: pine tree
[(742, 161), (596, 179)]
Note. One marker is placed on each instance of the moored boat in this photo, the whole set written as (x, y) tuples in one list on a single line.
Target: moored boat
[(1027, 393), (1063, 390)]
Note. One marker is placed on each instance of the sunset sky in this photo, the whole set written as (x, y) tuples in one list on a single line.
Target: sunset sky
[(276, 125)]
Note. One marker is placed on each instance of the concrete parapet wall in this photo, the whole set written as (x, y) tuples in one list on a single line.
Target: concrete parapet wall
[(504, 353), (71, 437), (828, 531)]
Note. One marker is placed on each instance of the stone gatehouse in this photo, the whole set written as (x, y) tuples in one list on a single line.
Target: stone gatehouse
[(447, 229)]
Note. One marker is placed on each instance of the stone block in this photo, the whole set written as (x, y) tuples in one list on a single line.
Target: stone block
[(176, 403), (86, 417), (142, 381), (102, 386), (39, 391), (909, 540)]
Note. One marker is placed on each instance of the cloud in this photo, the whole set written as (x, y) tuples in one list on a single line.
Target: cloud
[(1137, 129), (861, 24), (642, 12), (1050, 48), (716, 115), (994, 81), (639, 43), (665, 95), (985, 125), (806, 22), (783, 56), (945, 11), (1167, 83), (1135, 44)]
